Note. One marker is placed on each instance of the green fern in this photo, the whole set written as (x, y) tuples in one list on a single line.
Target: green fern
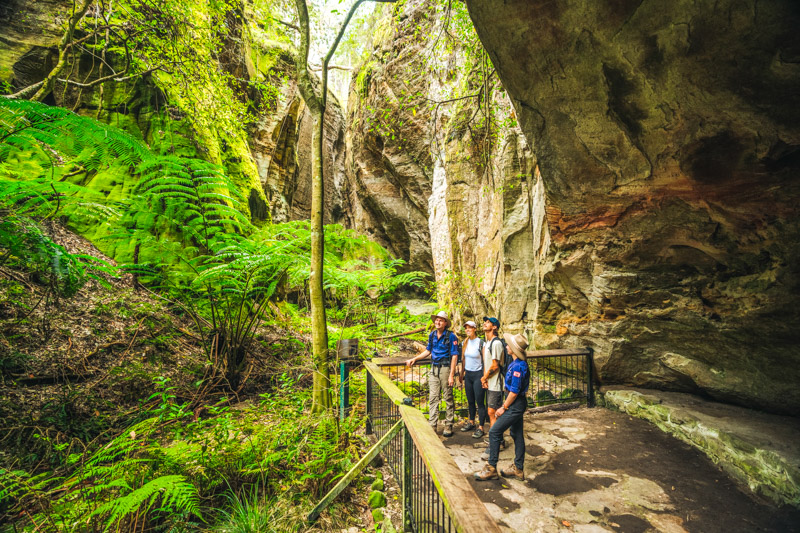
[(174, 493), (23, 245), (62, 135)]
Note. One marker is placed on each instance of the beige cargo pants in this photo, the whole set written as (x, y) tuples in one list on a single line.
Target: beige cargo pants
[(438, 389)]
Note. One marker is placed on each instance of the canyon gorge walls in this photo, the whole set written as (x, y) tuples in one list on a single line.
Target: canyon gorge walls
[(668, 143), (619, 175), (440, 172), (253, 73)]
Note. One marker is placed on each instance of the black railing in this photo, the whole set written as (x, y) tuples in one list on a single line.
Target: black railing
[(557, 377), (413, 382), (561, 376), (435, 495)]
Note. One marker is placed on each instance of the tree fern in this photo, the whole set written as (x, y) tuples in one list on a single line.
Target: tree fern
[(31, 126), (174, 493)]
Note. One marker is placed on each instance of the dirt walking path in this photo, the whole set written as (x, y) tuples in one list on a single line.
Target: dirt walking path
[(597, 470)]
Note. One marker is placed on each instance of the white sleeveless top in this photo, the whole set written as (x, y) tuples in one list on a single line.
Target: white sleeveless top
[(472, 355)]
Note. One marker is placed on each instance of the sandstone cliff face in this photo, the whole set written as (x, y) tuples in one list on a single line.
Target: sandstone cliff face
[(434, 184), (281, 143), (668, 142), (263, 159)]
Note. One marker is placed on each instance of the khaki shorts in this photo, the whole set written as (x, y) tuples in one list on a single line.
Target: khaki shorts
[(494, 399)]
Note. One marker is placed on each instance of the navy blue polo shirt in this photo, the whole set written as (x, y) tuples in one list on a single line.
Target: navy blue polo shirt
[(442, 348), (518, 377)]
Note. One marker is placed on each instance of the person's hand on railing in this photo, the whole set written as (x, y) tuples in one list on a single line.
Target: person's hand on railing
[(410, 362)]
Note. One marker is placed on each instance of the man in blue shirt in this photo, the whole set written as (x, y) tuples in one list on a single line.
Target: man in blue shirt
[(443, 349), (509, 415)]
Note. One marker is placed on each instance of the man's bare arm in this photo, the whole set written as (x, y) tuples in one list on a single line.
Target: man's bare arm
[(423, 355)]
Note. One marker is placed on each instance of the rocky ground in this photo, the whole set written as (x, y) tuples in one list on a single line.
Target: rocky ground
[(594, 470)]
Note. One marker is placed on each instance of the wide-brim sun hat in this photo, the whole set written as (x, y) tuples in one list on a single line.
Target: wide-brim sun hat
[(441, 314), (471, 324), (518, 344)]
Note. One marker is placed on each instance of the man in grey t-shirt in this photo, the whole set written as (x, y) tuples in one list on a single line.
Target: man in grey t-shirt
[(493, 359)]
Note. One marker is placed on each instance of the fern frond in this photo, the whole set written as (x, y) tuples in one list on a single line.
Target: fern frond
[(175, 493)]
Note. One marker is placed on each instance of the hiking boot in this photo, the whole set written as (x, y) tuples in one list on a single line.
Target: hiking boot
[(513, 471), (488, 472), (478, 433), (485, 455), (468, 427), (503, 443), (448, 432)]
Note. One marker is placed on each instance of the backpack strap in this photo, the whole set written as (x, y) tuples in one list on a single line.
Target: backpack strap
[(500, 361), (481, 344)]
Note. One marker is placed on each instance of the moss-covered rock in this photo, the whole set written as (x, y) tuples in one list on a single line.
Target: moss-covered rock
[(749, 446), (378, 517), (376, 499)]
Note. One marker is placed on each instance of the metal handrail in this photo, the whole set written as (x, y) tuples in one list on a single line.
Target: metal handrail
[(436, 496), (559, 376)]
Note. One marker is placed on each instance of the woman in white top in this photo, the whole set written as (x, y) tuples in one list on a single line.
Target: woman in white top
[(471, 375)]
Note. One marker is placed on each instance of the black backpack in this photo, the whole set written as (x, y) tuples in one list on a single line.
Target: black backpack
[(502, 360)]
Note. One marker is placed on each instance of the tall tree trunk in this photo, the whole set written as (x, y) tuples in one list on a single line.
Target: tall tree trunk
[(321, 394)]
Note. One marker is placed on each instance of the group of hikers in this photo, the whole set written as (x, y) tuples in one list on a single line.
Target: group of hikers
[(489, 368)]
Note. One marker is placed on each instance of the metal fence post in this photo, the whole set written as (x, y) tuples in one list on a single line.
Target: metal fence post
[(368, 426), (407, 476), (590, 378), (344, 390)]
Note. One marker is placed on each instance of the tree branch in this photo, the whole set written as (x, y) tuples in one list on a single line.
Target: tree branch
[(330, 67), (63, 47)]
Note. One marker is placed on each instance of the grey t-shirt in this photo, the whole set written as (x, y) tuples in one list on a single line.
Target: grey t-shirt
[(493, 350)]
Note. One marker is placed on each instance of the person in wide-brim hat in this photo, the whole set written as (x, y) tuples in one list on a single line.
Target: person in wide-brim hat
[(443, 350), (517, 344), (510, 414), (441, 314)]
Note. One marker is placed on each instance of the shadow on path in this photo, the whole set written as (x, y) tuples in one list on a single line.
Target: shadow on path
[(594, 470)]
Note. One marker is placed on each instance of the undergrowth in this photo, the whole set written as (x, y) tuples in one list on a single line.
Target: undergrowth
[(266, 462)]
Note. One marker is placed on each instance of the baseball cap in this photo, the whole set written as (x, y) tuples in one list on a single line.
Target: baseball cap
[(492, 319)]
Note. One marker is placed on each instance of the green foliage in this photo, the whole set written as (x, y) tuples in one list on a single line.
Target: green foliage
[(23, 245), (249, 512), (173, 493), (61, 135), (114, 484), (569, 394), (544, 397)]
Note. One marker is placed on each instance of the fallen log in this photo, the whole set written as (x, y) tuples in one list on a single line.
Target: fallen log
[(418, 330)]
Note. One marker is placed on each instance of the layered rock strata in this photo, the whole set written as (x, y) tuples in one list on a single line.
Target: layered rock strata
[(433, 182), (668, 142)]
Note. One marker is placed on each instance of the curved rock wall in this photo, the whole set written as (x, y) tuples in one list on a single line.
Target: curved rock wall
[(433, 184), (668, 142)]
